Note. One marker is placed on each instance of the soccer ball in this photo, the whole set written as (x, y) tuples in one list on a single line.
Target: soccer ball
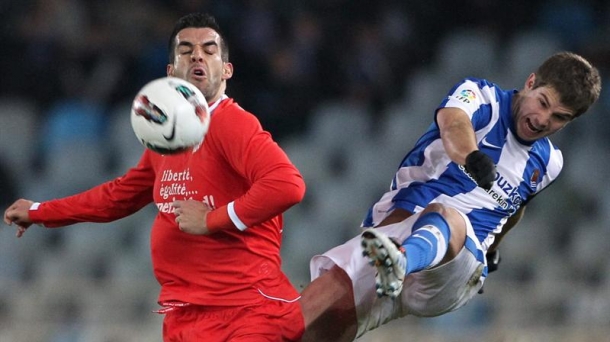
[(170, 115)]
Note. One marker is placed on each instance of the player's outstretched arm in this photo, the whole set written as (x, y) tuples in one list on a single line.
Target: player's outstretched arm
[(457, 133), (18, 213)]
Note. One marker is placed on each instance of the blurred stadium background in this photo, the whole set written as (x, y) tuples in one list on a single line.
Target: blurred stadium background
[(345, 86)]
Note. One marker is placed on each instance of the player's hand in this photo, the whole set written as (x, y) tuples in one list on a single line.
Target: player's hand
[(493, 260), (191, 216), (482, 168), (19, 214)]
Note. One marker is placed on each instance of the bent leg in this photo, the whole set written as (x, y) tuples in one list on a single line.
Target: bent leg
[(328, 308), (453, 218)]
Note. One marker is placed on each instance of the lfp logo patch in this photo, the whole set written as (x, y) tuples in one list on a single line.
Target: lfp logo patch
[(467, 96), (534, 178)]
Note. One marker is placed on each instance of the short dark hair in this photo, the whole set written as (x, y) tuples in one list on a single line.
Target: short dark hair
[(197, 20), (576, 81)]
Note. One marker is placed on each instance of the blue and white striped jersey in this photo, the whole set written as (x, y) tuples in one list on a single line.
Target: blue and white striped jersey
[(427, 175)]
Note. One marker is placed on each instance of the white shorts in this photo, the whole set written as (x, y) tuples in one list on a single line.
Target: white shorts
[(426, 293)]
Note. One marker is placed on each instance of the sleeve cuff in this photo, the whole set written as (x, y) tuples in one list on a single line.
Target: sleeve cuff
[(34, 214), (233, 216)]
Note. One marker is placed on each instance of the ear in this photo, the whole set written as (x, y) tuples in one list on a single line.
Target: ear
[(529, 83), (169, 70), (227, 71)]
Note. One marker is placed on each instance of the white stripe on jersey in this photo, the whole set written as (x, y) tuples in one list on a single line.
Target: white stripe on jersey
[(435, 164)]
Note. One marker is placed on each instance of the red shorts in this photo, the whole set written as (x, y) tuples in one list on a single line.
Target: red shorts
[(273, 321)]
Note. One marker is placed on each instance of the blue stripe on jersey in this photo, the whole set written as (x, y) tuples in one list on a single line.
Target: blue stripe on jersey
[(426, 174), (416, 156), (482, 117)]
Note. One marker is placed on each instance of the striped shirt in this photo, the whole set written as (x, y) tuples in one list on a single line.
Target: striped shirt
[(427, 174)]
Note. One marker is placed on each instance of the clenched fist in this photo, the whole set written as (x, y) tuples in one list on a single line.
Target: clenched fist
[(482, 168), (19, 214)]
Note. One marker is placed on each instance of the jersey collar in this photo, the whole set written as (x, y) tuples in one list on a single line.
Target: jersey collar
[(216, 103)]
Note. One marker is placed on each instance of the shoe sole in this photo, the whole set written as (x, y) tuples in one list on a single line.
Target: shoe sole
[(379, 249)]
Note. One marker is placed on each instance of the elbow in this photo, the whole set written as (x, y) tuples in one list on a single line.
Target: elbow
[(298, 194)]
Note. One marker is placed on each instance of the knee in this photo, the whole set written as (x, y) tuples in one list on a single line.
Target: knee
[(452, 216), (442, 209)]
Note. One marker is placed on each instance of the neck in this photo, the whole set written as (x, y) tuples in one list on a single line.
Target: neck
[(219, 93)]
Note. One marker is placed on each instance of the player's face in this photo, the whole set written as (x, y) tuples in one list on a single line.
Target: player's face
[(539, 112), (198, 60)]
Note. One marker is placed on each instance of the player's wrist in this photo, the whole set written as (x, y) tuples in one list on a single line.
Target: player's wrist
[(34, 214), (219, 219)]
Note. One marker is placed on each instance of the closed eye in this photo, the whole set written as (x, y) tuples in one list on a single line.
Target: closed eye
[(562, 117), (544, 104), (185, 48)]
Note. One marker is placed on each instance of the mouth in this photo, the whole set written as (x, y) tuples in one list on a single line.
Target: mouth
[(532, 128), (198, 73)]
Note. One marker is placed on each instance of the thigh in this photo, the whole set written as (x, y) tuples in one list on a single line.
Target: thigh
[(273, 321), (328, 308), (442, 289), (449, 286)]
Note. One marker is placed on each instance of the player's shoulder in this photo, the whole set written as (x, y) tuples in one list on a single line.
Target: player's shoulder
[(230, 109), (231, 121), (487, 91), (480, 83)]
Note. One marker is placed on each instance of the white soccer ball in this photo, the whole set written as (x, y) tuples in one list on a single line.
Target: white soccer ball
[(170, 115)]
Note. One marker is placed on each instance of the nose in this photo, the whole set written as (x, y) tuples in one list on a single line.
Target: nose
[(545, 119), (197, 54)]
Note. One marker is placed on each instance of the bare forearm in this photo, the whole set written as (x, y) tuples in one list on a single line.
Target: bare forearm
[(457, 134)]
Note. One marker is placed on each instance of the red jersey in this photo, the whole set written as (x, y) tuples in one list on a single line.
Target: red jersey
[(242, 174)]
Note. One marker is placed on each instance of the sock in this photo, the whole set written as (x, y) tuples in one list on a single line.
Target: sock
[(428, 243)]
